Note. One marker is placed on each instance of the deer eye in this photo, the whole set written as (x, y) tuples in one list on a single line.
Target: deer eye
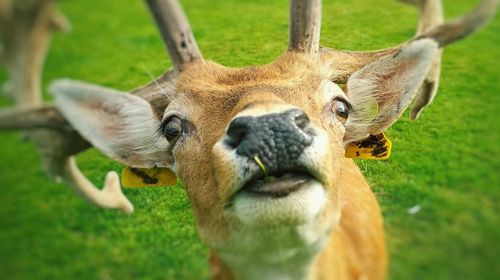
[(340, 107), (172, 128)]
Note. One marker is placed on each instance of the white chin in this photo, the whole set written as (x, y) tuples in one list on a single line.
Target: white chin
[(297, 208)]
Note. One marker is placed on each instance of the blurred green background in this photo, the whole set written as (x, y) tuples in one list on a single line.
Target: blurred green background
[(446, 163)]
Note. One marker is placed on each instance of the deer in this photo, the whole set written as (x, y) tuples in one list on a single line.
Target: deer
[(260, 149)]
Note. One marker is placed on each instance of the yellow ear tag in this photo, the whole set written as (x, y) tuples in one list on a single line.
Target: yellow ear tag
[(147, 177), (374, 147)]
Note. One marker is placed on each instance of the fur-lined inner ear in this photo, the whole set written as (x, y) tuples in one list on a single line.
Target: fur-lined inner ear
[(121, 125), (382, 90)]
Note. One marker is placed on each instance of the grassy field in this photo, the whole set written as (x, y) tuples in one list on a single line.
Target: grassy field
[(447, 162)]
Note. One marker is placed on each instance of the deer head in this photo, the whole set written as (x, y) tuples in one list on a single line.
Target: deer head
[(261, 149)]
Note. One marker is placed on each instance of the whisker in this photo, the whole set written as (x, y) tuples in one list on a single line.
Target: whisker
[(163, 90)]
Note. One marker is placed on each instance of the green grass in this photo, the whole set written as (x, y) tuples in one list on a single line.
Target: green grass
[(447, 162)]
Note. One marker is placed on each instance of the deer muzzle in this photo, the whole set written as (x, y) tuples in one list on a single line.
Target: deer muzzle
[(277, 140), (274, 157)]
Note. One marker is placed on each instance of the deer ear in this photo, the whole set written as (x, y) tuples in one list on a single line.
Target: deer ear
[(382, 90), (121, 125)]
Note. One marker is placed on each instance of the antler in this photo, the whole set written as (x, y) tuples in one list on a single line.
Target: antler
[(431, 25), (345, 63), (181, 46), (175, 31), (54, 137), (305, 26)]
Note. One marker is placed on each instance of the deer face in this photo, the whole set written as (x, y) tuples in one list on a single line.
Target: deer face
[(267, 143), (261, 148)]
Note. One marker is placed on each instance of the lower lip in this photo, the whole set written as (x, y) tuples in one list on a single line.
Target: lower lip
[(278, 187)]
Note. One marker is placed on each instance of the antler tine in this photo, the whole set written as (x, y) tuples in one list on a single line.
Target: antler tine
[(175, 31), (109, 197), (461, 27), (431, 16), (305, 26), (28, 118)]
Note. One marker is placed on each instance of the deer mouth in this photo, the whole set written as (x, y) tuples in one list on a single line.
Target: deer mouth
[(287, 198), (277, 185)]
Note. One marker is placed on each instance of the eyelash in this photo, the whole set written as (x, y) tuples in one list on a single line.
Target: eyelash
[(161, 127), (347, 103)]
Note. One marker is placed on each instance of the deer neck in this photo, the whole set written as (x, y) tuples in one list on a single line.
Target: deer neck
[(325, 262), (281, 254), (298, 267)]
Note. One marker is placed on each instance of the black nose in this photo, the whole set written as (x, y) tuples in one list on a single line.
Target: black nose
[(276, 139)]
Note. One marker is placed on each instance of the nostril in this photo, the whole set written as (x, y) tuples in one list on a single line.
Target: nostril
[(301, 119), (236, 131), (235, 136)]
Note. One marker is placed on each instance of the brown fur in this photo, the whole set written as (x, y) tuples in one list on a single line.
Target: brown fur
[(214, 94)]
